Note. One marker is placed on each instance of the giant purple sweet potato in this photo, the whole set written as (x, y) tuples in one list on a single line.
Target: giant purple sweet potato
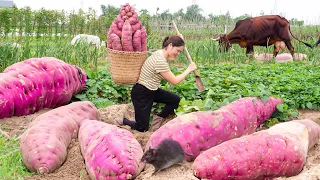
[(278, 151), (114, 29), (199, 131), (109, 152), (37, 83), (115, 42), (44, 144), (126, 38), (136, 26), (137, 41)]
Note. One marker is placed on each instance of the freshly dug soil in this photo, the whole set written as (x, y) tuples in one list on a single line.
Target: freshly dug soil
[(74, 167)]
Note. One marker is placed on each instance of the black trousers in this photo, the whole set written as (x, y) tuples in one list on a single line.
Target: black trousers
[(143, 98)]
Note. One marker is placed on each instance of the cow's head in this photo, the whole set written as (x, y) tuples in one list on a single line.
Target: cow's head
[(224, 44), (223, 40)]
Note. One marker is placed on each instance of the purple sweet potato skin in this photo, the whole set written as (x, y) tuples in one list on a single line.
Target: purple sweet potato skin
[(114, 29), (257, 156), (109, 152), (137, 41), (126, 38), (278, 151), (44, 144), (115, 42), (37, 83), (313, 131), (199, 131)]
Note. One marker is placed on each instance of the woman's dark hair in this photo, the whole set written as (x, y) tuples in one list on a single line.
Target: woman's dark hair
[(175, 40)]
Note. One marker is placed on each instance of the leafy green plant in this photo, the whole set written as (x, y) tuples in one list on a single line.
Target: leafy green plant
[(293, 82), (102, 91)]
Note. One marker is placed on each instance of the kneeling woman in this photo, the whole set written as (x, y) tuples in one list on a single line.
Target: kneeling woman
[(146, 90)]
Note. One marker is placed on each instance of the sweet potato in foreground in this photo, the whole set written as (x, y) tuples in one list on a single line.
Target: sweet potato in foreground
[(44, 144), (199, 131), (109, 152), (37, 83), (278, 151)]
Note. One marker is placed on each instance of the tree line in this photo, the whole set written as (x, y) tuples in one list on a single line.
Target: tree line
[(59, 22)]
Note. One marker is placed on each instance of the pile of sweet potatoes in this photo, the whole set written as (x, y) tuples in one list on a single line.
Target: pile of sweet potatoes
[(109, 152), (37, 83), (126, 32)]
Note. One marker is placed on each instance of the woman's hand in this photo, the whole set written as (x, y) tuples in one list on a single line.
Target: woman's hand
[(192, 67), (174, 80)]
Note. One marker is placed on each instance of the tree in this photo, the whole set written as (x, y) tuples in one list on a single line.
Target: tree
[(220, 19), (107, 10), (179, 15), (143, 11), (110, 12), (296, 22), (144, 17), (194, 13), (165, 15)]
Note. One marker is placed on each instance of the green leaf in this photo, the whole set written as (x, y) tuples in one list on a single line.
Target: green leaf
[(294, 114), (280, 107), (198, 103), (271, 122), (191, 108), (265, 99), (183, 102), (233, 98), (309, 105), (81, 96), (208, 104), (210, 93), (102, 103)]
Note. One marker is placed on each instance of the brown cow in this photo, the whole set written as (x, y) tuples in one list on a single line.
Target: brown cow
[(260, 31)]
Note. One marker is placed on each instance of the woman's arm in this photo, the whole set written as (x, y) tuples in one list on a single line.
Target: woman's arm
[(174, 80)]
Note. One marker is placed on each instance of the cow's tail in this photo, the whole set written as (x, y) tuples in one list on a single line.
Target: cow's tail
[(307, 44)]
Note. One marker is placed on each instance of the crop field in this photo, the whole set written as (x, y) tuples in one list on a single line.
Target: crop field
[(227, 77)]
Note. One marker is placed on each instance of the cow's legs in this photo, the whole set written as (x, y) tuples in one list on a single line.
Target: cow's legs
[(275, 50), (249, 48), (277, 46), (290, 47)]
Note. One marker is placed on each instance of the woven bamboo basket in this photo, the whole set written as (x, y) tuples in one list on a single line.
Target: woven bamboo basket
[(125, 66)]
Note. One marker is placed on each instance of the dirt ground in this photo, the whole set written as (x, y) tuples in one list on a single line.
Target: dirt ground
[(74, 167)]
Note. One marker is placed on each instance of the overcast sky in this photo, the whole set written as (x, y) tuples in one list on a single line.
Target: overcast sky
[(307, 10)]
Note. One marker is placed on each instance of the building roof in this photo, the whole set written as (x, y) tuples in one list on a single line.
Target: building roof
[(6, 3)]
